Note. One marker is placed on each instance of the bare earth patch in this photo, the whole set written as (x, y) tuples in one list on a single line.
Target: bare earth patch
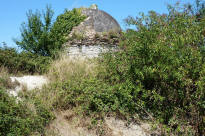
[(66, 124)]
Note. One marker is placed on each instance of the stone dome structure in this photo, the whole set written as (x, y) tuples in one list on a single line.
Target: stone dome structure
[(97, 22), (100, 21), (93, 36)]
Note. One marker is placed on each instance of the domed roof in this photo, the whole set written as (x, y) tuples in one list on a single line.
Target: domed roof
[(95, 29), (100, 21)]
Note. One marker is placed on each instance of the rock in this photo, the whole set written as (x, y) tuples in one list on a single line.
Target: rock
[(27, 83), (120, 128)]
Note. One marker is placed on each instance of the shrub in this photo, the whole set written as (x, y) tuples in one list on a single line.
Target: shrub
[(64, 24), (161, 67), (23, 62), (17, 119)]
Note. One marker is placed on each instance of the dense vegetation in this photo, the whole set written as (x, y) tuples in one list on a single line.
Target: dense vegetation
[(23, 62), (158, 73), (18, 119), (40, 41), (162, 69)]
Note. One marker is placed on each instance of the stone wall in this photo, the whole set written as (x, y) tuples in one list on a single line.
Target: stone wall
[(89, 51)]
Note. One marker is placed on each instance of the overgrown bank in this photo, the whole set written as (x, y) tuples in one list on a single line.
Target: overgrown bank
[(161, 71), (159, 74), (41, 40), (20, 117)]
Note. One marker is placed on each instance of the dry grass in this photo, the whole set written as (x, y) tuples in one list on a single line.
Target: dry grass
[(64, 69), (4, 72), (5, 80), (61, 70), (67, 68), (68, 123)]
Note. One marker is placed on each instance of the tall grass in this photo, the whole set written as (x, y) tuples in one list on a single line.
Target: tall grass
[(5, 80), (68, 68), (64, 73)]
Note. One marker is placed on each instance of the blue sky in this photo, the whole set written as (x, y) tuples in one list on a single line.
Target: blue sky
[(13, 12)]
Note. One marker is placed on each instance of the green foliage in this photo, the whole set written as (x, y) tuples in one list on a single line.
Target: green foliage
[(35, 33), (89, 95), (198, 9), (17, 119), (159, 70), (64, 24), (24, 62), (162, 65), (39, 35)]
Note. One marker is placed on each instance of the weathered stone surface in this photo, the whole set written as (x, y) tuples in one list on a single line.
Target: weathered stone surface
[(97, 34), (95, 29), (89, 51), (93, 6), (100, 21)]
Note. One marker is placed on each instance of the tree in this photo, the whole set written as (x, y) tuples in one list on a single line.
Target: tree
[(197, 9), (64, 24), (35, 32), (41, 36)]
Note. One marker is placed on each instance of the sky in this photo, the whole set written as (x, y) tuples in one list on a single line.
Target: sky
[(13, 12)]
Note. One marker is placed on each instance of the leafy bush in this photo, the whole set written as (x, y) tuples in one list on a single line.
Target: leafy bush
[(159, 70), (64, 24), (24, 62), (161, 67), (17, 119), (39, 35)]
